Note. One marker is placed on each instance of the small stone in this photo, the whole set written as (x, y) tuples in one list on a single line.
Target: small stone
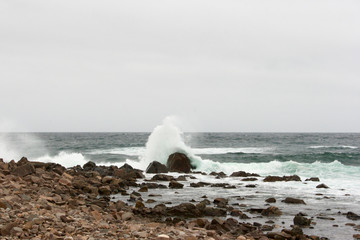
[(322, 186)]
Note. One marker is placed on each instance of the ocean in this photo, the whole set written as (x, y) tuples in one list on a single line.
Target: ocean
[(333, 157)]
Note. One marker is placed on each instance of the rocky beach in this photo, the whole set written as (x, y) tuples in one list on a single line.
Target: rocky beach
[(48, 201)]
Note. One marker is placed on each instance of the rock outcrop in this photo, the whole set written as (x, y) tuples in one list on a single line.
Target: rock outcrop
[(178, 162), (156, 167)]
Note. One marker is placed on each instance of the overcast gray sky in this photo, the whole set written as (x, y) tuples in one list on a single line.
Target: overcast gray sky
[(112, 65)]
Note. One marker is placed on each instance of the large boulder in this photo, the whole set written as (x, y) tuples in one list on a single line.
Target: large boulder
[(178, 162), (156, 167)]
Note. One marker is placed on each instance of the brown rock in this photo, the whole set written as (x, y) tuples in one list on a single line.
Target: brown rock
[(24, 170), (104, 190), (127, 216), (271, 211), (178, 162), (156, 167), (300, 220), (244, 174), (175, 184), (322, 186), (143, 189), (96, 215), (270, 200), (5, 230), (291, 200)]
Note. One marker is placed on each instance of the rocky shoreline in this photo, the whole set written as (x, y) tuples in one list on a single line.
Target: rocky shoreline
[(47, 201)]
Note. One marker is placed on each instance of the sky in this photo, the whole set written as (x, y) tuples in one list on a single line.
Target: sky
[(234, 65)]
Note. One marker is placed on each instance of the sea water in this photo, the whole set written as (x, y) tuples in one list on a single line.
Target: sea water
[(333, 157)]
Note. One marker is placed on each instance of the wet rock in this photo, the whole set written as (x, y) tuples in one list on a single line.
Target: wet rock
[(249, 179), (271, 211), (313, 179), (283, 178), (302, 221), (162, 177), (251, 186), (352, 216), (270, 200), (221, 202), (278, 235), (144, 189), (244, 174), (291, 200), (322, 186), (139, 204), (89, 166), (156, 167), (181, 178), (178, 162), (356, 236), (175, 184), (199, 184), (238, 213)]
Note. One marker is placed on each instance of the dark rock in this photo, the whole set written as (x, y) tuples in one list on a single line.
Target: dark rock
[(181, 178), (162, 177), (352, 216), (214, 212), (22, 161), (218, 174), (244, 174), (238, 213), (89, 166), (221, 202), (249, 179), (322, 186), (127, 167), (104, 190), (185, 210), (251, 186), (291, 200), (278, 235), (156, 167), (302, 221), (178, 162), (24, 170), (270, 200), (283, 178), (313, 179), (144, 189), (175, 184), (271, 211), (199, 184)]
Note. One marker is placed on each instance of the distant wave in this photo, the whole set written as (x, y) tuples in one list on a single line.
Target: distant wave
[(140, 151), (210, 151), (334, 147)]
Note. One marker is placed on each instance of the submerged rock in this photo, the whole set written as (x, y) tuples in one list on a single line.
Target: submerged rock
[(300, 220), (283, 178), (178, 162), (293, 200), (322, 186)]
